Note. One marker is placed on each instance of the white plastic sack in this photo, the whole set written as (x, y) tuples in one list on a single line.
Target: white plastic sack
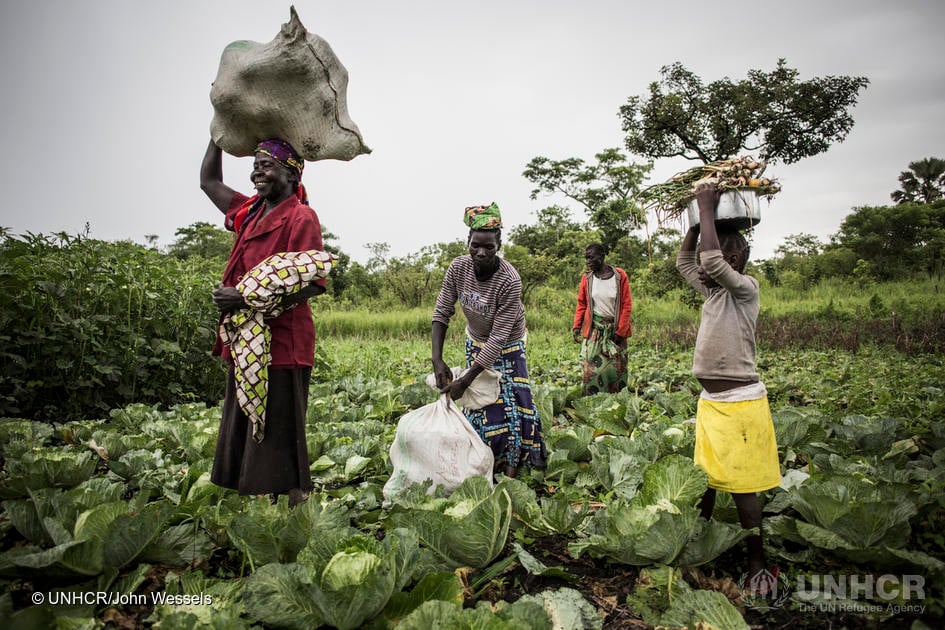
[(436, 442), (482, 392)]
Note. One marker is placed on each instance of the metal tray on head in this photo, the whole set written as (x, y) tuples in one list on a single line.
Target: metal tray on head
[(740, 207)]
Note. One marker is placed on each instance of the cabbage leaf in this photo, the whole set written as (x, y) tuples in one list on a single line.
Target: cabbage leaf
[(469, 528)]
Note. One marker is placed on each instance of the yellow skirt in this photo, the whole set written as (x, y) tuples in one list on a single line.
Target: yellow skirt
[(735, 445)]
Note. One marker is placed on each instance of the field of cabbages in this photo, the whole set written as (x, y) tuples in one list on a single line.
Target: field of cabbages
[(114, 523)]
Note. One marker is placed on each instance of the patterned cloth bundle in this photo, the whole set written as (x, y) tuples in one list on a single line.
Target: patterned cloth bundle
[(248, 336)]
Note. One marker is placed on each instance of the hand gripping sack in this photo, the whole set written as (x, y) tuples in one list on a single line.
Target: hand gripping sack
[(482, 392), (436, 442)]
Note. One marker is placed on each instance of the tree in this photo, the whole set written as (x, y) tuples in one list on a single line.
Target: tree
[(770, 112), (897, 240), (799, 245), (550, 250), (550, 225), (605, 189), (338, 279), (414, 279), (924, 182), (533, 269), (379, 253), (201, 239), (798, 254)]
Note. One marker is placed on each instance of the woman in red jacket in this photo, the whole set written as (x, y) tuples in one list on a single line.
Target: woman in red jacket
[(602, 321), (277, 219)]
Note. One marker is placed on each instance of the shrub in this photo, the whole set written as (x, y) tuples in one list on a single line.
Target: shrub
[(90, 325)]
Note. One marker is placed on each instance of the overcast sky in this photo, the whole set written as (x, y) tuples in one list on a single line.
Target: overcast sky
[(105, 109)]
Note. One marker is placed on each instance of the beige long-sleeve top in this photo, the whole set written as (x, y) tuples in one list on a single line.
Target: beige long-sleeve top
[(725, 343)]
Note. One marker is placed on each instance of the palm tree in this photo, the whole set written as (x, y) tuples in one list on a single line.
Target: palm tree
[(924, 182)]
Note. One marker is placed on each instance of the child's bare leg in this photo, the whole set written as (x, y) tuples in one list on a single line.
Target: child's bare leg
[(749, 514), (707, 503)]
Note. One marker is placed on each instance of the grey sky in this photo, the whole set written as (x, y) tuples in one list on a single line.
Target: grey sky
[(106, 112)]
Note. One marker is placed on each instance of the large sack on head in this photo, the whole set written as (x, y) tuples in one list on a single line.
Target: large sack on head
[(293, 88)]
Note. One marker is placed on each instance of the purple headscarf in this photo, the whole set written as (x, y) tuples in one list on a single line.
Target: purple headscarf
[(283, 153)]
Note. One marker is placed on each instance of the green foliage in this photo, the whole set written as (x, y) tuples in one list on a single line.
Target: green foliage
[(90, 325), (204, 240), (660, 525), (604, 189), (770, 112), (341, 582), (439, 614), (469, 528), (858, 435), (872, 243), (398, 281), (414, 279), (267, 533), (339, 279), (897, 241), (924, 182)]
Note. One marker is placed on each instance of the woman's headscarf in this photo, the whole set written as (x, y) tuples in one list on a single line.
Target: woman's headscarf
[(283, 153), (483, 217)]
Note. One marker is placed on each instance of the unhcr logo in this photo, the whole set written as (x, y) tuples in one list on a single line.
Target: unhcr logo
[(883, 587), (857, 593)]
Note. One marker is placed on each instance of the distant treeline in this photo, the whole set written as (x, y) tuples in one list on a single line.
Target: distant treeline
[(90, 325)]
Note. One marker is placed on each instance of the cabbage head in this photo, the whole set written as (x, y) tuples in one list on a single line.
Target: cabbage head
[(337, 581), (470, 528)]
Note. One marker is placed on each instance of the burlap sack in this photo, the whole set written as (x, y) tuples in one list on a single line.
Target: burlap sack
[(293, 88)]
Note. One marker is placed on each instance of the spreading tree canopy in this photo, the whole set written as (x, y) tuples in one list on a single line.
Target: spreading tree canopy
[(773, 113), (924, 182), (897, 240), (201, 239), (605, 188)]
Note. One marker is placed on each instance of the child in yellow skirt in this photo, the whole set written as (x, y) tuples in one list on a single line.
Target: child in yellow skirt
[(735, 443)]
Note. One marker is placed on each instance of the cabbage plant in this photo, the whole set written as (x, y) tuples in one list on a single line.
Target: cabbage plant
[(661, 524), (469, 528), (341, 582), (853, 518)]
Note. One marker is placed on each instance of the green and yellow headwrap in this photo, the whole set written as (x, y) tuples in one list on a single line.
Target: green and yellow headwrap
[(483, 217)]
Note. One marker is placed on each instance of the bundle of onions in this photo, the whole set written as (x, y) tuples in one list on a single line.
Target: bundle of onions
[(668, 200)]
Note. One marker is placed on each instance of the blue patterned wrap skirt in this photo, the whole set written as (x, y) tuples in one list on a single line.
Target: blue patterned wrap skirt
[(511, 425)]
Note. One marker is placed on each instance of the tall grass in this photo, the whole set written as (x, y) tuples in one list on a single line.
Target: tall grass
[(909, 316), (917, 297), (364, 322)]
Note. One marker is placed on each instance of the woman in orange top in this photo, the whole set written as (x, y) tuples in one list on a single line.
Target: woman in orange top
[(602, 323)]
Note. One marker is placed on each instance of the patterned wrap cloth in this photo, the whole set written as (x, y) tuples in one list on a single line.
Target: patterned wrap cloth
[(246, 332), (483, 217), (605, 361), (511, 426)]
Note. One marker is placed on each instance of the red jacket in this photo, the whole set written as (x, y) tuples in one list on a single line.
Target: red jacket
[(289, 227), (585, 305)]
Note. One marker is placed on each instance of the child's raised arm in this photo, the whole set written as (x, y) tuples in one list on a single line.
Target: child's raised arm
[(707, 196)]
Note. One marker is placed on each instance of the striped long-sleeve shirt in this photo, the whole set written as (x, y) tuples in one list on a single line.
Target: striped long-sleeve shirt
[(493, 309)]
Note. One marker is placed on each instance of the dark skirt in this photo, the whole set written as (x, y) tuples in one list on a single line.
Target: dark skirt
[(510, 426), (280, 462)]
